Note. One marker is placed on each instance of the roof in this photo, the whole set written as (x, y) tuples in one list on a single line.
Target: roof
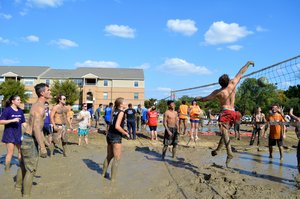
[(78, 73), (102, 73), (24, 71)]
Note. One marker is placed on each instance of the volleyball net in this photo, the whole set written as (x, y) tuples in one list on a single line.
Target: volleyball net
[(282, 75)]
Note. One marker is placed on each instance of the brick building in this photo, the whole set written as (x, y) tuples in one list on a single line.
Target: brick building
[(97, 85)]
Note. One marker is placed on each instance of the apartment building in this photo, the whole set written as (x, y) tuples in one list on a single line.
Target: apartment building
[(96, 85)]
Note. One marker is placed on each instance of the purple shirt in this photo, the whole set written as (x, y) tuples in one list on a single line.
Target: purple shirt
[(12, 131)]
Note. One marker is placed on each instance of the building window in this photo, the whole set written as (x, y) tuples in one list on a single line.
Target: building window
[(28, 82), (105, 95), (136, 96), (28, 93), (89, 96), (90, 81), (105, 83), (78, 82), (27, 106), (136, 84), (48, 81)]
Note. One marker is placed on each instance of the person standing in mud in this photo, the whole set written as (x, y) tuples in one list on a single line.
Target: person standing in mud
[(226, 97), (12, 118), (59, 121), (276, 130), (237, 124), (183, 117), (138, 117), (114, 138), (47, 128), (130, 118), (297, 131), (259, 120), (170, 122), (33, 141), (84, 124)]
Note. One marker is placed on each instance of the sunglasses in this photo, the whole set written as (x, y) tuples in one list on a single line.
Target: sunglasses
[(63, 98)]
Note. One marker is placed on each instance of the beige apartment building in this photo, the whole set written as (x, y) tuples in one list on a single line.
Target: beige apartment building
[(96, 85)]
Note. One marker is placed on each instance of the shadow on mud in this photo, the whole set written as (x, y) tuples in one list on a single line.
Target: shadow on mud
[(176, 162), (93, 165)]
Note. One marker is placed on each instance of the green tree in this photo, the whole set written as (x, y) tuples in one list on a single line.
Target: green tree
[(12, 87), (250, 95), (67, 88), (293, 91), (162, 106), (150, 102)]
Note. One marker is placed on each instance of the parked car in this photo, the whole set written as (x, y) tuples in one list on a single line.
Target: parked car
[(247, 118)]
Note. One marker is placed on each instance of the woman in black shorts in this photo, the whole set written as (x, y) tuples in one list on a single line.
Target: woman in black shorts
[(114, 138)]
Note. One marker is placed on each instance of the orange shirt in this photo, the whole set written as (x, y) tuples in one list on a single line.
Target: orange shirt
[(183, 111), (275, 130), (195, 112)]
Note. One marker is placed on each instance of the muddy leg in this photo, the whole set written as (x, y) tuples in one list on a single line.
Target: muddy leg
[(173, 151), (64, 146), (20, 176), (280, 152), (27, 185), (116, 161), (107, 160), (164, 152)]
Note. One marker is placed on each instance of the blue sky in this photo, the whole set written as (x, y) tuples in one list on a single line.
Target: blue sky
[(178, 43)]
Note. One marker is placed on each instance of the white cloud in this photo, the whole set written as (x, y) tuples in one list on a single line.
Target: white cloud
[(186, 27), (221, 32), (4, 41), (64, 43), (9, 61), (5, 16), (261, 29), (45, 3), (32, 38), (181, 66), (235, 47), (97, 64), (120, 31), (143, 66)]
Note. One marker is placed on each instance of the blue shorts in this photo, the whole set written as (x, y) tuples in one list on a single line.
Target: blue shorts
[(83, 132), (195, 121)]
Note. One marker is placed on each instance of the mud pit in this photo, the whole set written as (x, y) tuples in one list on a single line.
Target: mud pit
[(142, 174)]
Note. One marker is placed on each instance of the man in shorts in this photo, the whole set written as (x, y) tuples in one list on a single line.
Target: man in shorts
[(276, 130), (226, 97), (33, 142), (59, 121), (84, 118), (170, 122)]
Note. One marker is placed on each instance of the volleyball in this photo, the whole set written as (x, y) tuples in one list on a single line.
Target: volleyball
[(262, 81)]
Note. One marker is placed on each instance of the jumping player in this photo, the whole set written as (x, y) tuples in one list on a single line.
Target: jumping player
[(226, 97)]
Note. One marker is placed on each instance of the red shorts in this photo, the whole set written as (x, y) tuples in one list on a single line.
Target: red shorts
[(227, 116)]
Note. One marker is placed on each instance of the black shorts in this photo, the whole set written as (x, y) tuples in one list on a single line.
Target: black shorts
[(113, 138), (107, 122), (152, 128), (171, 140), (47, 130), (273, 142), (143, 121)]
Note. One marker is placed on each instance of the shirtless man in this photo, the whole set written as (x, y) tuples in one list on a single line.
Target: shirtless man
[(59, 120), (170, 122), (226, 97), (33, 141)]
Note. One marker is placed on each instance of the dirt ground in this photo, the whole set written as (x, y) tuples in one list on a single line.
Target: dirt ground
[(142, 173)]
